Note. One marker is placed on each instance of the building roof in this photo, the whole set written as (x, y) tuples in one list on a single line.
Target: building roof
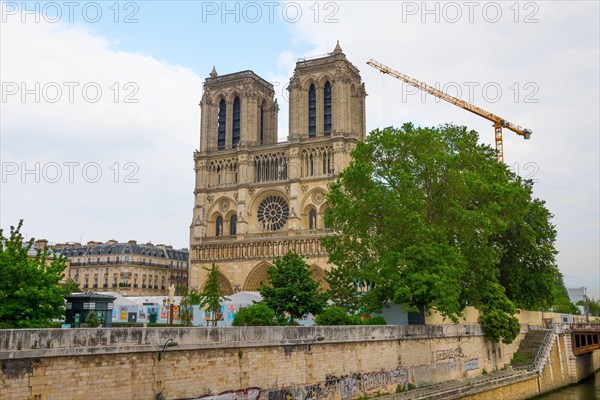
[(91, 295), (113, 248)]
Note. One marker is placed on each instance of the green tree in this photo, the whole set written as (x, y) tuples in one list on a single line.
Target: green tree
[(425, 216), (211, 296), (91, 320), (189, 298), (256, 315), (342, 289), (528, 251), (562, 303), (292, 288), (594, 307), (31, 293)]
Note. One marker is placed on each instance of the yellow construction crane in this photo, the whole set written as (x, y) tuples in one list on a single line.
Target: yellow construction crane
[(499, 122)]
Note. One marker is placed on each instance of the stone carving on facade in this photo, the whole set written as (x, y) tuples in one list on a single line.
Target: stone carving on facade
[(235, 196), (304, 188), (224, 205), (317, 198), (210, 198)]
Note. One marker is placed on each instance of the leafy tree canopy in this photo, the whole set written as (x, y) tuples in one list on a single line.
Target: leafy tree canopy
[(292, 288), (211, 296), (92, 321), (31, 292), (429, 216), (343, 290), (188, 299)]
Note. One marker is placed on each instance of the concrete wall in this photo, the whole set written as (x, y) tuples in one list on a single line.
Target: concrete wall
[(270, 363), (471, 316)]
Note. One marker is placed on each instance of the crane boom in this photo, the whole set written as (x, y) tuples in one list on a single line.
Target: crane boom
[(499, 122)]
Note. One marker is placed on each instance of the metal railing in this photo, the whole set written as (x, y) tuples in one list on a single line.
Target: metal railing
[(584, 327), (534, 366)]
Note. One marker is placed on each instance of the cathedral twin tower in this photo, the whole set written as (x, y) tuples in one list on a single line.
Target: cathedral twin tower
[(256, 199)]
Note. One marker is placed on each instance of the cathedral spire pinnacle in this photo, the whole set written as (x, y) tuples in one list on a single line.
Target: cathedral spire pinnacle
[(213, 73), (338, 48)]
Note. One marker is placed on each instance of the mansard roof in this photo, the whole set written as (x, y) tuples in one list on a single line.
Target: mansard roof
[(106, 249)]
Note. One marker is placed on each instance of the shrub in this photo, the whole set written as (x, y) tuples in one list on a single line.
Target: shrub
[(92, 321), (335, 316), (339, 316), (256, 315)]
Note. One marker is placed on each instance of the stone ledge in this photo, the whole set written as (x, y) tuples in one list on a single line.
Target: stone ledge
[(35, 343)]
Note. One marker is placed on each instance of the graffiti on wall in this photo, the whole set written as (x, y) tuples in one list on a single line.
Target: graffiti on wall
[(448, 354), (310, 392), (472, 364), (348, 386), (252, 393)]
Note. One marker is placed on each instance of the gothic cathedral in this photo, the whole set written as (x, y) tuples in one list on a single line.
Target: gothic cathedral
[(256, 199)]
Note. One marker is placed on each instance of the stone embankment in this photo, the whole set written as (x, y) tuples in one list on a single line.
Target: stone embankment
[(274, 363)]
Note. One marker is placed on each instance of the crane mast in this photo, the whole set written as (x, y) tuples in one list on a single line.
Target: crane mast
[(499, 122)]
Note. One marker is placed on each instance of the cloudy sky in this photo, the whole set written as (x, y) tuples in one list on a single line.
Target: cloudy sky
[(100, 118)]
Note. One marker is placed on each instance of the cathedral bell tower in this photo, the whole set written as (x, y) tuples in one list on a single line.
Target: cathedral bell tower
[(238, 109), (327, 96)]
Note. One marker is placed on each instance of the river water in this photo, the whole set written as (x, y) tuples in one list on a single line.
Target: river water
[(589, 389)]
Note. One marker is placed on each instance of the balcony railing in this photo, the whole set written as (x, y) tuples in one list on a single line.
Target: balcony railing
[(266, 235)]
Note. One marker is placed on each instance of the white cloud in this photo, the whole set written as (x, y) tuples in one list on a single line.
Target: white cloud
[(156, 131)]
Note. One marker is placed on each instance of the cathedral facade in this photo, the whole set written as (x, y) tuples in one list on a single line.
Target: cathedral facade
[(257, 198)]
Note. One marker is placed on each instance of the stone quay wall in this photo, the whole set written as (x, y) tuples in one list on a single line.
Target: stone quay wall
[(253, 363)]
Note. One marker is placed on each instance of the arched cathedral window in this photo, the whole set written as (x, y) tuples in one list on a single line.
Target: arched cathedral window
[(327, 108), (221, 127), (233, 225), (262, 124), (235, 138), (312, 111)]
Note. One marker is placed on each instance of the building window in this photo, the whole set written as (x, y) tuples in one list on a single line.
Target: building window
[(273, 213), (221, 128), (232, 227), (327, 108), (235, 138), (312, 111), (219, 226), (262, 124), (312, 219)]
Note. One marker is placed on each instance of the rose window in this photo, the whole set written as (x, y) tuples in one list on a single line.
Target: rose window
[(273, 213)]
